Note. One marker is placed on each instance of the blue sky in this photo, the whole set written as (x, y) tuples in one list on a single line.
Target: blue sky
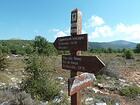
[(103, 20)]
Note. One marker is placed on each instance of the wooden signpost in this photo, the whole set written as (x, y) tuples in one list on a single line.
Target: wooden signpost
[(76, 43)]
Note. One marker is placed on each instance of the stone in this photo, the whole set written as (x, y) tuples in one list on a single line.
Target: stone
[(100, 86), (60, 78), (100, 104), (89, 101)]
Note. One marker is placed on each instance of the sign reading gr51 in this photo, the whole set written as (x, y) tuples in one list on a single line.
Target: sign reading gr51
[(90, 64), (77, 42)]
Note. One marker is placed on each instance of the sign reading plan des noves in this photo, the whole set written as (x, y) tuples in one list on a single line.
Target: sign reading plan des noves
[(90, 64), (78, 42)]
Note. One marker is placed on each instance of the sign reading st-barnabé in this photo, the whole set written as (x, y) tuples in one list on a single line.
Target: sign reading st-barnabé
[(91, 64)]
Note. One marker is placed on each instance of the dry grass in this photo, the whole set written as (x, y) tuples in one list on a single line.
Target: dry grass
[(16, 63), (4, 78)]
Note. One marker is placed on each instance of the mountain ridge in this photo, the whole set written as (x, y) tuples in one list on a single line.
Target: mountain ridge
[(117, 44)]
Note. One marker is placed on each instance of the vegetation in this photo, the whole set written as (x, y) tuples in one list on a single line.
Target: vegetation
[(137, 50), (3, 62), (41, 68), (40, 44), (106, 50), (128, 54), (39, 82), (26, 47), (130, 91)]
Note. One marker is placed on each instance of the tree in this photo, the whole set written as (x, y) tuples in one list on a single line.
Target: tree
[(29, 49), (50, 50), (40, 43), (137, 48), (110, 50), (41, 46)]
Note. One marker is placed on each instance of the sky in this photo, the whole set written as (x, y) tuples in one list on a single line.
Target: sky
[(103, 20)]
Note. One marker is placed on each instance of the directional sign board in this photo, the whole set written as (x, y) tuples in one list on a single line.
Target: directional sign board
[(78, 42), (80, 82), (90, 64)]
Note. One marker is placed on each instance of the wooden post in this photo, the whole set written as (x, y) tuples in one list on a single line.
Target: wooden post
[(76, 29), (75, 62)]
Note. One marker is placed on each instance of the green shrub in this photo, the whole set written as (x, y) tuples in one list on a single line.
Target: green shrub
[(39, 83), (130, 91), (128, 54), (137, 50), (100, 78), (3, 62)]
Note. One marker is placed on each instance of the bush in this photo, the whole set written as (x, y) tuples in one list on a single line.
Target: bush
[(128, 54), (3, 62), (100, 78), (137, 50), (39, 83), (130, 91)]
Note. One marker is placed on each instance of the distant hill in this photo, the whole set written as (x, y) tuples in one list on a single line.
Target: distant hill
[(119, 44)]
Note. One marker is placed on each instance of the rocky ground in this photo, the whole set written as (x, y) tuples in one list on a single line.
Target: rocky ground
[(118, 73)]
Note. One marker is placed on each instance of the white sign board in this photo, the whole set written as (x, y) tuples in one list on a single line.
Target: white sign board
[(80, 82)]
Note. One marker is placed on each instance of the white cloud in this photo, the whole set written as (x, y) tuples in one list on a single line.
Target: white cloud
[(103, 31), (93, 36), (132, 32), (94, 21), (59, 33), (97, 28), (84, 32), (121, 28)]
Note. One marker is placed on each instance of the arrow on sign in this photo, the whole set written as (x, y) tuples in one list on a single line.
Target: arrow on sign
[(90, 64), (77, 42)]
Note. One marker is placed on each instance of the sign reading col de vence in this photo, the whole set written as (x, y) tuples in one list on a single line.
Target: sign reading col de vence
[(78, 42)]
